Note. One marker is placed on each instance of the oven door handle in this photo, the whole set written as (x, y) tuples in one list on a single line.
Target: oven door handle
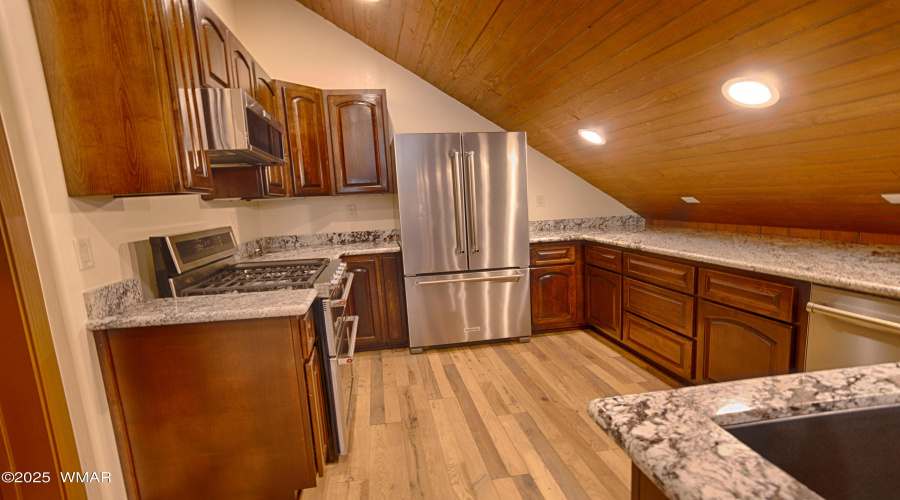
[(346, 360), (342, 302)]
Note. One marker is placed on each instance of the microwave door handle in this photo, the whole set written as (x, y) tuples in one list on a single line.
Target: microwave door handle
[(346, 360), (473, 227), (458, 214)]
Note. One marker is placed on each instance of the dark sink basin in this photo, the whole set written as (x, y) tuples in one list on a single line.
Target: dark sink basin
[(844, 454)]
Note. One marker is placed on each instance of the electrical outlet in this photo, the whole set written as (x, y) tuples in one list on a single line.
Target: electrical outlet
[(83, 253), (351, 211), (541, 201)]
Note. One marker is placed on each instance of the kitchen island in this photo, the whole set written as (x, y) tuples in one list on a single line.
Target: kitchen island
[(677, 440)]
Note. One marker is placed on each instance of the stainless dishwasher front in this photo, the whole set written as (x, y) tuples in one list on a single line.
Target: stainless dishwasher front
[(851, 329)]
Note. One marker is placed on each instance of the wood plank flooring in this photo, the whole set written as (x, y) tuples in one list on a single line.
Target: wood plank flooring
[(496, 421)]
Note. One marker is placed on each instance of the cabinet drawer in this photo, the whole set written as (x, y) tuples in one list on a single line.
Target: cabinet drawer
[(605, 258), (671, 275), (552, 255), (671, 309), (762, 297), (669, 350)]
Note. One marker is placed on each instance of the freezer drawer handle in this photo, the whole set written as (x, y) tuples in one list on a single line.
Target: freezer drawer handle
[(473, 217), (458, 213), (851, 317), (514, 278), (346, 360)]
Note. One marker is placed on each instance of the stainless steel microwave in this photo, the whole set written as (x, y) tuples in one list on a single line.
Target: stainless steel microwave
[(240, 131)]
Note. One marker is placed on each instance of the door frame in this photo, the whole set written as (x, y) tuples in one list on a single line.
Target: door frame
[(14, 235)]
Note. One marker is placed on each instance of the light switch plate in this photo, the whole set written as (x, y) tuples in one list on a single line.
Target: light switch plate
[(893, 198), (690, 199), (83, 253)]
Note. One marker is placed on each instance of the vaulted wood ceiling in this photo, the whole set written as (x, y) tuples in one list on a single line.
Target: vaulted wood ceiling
[(648, 75)]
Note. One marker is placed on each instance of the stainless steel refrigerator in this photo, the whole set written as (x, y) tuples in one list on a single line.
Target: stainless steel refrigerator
[(464, 227)]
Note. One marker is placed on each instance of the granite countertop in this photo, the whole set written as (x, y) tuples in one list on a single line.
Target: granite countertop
[(209, 308), (676, 439), (871, 269), (233, 306), (326, 251)]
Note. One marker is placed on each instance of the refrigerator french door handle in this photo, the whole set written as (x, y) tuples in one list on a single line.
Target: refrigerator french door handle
[(473, 227), (458, 214)]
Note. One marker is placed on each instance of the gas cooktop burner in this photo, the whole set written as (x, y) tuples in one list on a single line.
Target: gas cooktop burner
[(261, 277)]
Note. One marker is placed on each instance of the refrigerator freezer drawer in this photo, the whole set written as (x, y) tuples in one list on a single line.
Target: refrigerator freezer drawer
[(468, 307)]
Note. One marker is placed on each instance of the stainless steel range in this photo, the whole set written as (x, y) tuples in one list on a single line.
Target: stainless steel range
[(203, 263)]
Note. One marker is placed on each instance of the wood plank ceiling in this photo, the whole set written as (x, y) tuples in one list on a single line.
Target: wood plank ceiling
[(648, 74)]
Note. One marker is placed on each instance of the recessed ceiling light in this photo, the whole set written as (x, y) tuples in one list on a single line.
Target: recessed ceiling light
[(591, 136), (690, 199), (893, 199), (750, 92)]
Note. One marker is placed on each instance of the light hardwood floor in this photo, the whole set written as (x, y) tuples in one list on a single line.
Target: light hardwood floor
[(499, 421)]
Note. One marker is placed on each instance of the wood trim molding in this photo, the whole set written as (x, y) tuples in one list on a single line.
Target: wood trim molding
[(25, 275)]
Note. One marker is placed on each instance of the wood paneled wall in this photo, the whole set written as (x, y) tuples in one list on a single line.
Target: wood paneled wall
[(648, 74), (791, 232)]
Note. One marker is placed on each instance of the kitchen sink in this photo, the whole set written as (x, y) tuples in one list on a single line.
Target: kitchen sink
[(841, 454)]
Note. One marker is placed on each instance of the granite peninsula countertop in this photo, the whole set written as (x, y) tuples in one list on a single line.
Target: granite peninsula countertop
[(675, 437), (233, 306), (871, 269)]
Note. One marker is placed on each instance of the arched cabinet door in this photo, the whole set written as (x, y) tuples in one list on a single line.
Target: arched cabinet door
[(307, 152), (359, 142), (212, 35), (733, 344), (554, 298)]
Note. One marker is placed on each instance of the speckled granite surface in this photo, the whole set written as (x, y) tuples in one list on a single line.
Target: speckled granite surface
[(617, 222), (676, 439), (205, 309), (110, 299), (120, 305), (865, 268)]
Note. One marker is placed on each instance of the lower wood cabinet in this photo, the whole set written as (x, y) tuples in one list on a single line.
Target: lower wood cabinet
[(666, 348), (642, 488), (557, 296), (603, 301), (734, 344), (554, 297), (225, 410), (378, 298)]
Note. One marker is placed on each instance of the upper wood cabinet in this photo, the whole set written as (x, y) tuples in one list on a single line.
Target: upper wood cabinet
[(357, 122), (277, 178), (212, 36), (127, 120), (307, 151), (241, 67)]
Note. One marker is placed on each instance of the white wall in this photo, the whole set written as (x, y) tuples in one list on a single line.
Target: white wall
[(295, 44), (55, 220)]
